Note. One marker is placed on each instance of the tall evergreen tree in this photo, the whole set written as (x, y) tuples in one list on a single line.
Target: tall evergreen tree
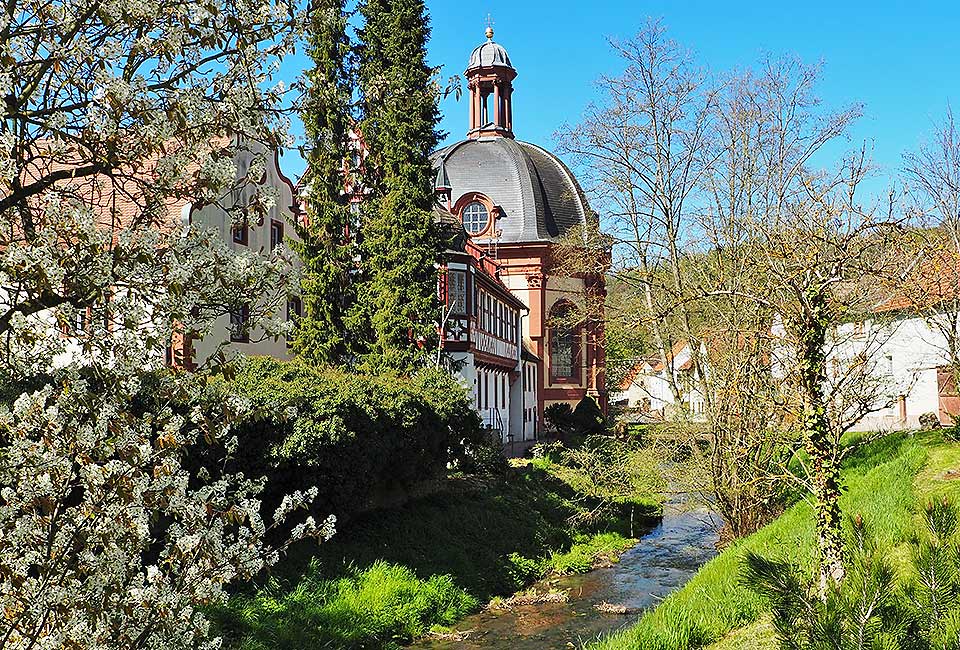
[(325, 248), (401, 244)]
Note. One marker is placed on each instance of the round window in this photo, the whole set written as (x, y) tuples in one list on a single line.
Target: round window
[(475, 218)]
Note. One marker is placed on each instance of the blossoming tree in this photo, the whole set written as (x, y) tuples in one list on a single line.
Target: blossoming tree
[(117, 116)]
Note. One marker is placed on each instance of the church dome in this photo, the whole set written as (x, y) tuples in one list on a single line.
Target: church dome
[(537, 196), (489, 54)]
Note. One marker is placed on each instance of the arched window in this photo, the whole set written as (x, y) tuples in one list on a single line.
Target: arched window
[(475, 217), (563, 343)]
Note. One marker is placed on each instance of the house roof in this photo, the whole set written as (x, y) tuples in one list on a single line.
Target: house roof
[(678, 347), (121, 198), (933, 279), (637, 368)]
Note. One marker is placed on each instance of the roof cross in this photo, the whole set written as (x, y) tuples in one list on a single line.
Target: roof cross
[(490, 24)]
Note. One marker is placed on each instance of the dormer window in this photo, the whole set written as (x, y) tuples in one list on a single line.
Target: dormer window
[(475, 218)]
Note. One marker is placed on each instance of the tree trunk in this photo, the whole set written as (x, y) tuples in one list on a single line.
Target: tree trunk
[(821, 445)]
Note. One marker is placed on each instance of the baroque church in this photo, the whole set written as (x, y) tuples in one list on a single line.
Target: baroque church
[(506, 204), (512, 202)]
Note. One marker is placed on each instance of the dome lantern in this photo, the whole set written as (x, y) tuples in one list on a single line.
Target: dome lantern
[(490, 76)]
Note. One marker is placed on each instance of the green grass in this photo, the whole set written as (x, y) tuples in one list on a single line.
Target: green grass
[(381, 606), (586, 552), (759, 635), (879, 485), (390, 575), (610, 470)]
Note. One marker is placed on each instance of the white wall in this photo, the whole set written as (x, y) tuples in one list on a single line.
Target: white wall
[(903, 356), (524, 415), (492, 395), (258, 240)]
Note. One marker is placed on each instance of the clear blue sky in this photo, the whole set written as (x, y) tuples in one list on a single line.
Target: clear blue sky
[(900, 59)]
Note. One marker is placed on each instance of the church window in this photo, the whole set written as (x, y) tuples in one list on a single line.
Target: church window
[(561, 352), (563, 344), (475, 218)]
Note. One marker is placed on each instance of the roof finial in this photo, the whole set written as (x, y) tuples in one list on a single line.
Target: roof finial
[(489, 31)]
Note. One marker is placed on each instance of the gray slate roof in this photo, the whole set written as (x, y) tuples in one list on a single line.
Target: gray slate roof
[(489, 54), (539, 197)]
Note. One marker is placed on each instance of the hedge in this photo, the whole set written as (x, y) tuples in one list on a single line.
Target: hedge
[(356, 437)]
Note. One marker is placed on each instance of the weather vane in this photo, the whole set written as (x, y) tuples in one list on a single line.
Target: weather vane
[(489, 26)]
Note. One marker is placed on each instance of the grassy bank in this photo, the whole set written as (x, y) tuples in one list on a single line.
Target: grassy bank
[(390, 575), (884, 481)]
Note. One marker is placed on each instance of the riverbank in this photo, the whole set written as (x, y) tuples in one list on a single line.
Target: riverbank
[(392, 575), (885, 481), (582, 607)]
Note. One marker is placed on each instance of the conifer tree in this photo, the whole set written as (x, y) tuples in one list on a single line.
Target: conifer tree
[(325, 248), (397, 300)]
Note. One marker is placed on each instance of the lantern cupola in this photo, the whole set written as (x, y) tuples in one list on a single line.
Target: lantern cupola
[(490, 78)]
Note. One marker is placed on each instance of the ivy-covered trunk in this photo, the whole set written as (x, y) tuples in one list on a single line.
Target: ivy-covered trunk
[(812, 327)]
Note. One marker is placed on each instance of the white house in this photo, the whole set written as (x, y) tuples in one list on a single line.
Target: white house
[(646, 388), (906, 367), (897, 359), (275, 229), (118, 206)]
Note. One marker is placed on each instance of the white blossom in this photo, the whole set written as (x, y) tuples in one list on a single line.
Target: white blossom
[(106, 539)]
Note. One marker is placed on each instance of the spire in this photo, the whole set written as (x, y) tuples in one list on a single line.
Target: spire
[(441, 185)]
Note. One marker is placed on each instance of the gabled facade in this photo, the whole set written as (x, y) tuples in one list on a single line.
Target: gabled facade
[(272, 230), (118, 207), (907, 365)]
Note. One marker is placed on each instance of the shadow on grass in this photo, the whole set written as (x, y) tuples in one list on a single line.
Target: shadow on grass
[(388, 575)]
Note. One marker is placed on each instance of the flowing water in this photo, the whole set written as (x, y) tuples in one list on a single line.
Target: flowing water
[(664, 559)]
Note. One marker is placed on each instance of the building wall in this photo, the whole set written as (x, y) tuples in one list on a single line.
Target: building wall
[(258, 240), (524, 273), (529, 415), (493, 399), (652, 387), (216, 219), (903, 356)]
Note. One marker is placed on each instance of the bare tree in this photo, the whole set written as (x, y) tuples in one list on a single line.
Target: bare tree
[(768, 126), (930, 285), (741, 245), (642, 150), (819, 255)]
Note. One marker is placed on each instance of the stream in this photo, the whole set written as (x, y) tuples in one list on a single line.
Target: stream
[(666, 556)]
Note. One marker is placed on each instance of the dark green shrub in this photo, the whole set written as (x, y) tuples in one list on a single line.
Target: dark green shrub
[(573, 425), (559, 418), (588, 418), (355, 437), (484, 458)]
